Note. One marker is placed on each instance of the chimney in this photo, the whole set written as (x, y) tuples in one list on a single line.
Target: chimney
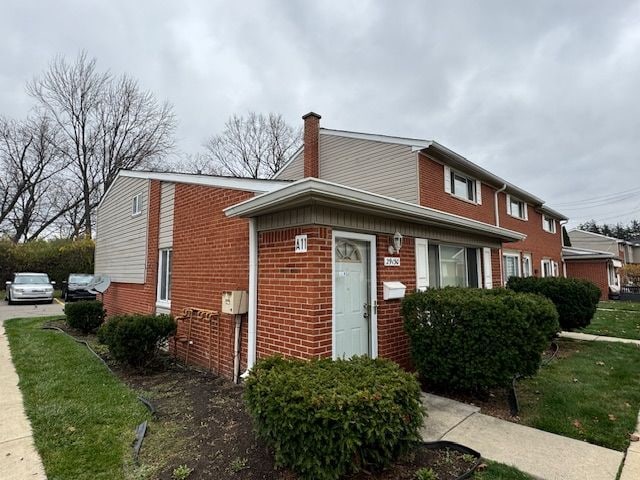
[(310, 139)]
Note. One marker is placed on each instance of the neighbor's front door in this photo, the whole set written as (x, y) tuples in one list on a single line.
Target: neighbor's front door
[(353, 313)]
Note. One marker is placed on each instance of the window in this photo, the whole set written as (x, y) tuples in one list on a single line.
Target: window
[(136, 207), (547, 268), (462, 186), (511, 265), (164, 276), (526, 265), (548, 224), (451, 266), (516, 208)]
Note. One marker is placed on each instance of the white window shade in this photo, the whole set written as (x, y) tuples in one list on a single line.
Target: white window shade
[(447, 179)]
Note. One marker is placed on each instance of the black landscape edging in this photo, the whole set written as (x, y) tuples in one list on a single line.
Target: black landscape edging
[(442, 444)]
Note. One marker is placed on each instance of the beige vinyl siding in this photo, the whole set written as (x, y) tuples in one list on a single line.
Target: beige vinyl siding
[(121, 239), (294, 170), (167, 196), (593, 242), (377, 167), (352, 221)]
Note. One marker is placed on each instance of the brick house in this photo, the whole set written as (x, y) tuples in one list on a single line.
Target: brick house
[(325, 249), (601, 268)]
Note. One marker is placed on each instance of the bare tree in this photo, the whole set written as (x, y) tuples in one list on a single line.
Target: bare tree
[(254, 146), (30, 162), (106, 124)]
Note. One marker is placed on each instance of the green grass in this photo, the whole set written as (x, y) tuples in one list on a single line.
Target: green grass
[(590, 392), (616, 323), (498, 471), (83, 417)]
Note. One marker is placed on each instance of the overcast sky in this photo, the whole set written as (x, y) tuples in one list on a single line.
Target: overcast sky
[(544, 94)]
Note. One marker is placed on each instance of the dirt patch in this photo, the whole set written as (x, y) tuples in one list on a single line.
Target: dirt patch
[(202, 423)]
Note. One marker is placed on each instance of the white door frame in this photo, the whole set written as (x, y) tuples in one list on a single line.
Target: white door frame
[(373, 300)]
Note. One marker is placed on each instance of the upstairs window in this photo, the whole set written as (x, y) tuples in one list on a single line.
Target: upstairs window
[(548, 224), (136, 205), (516, 208), (462, 186)]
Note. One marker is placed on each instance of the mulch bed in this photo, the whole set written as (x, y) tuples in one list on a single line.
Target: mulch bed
[(219, 441)]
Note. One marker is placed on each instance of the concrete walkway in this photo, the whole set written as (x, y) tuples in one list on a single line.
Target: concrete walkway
[(19, 459), (597, 338), (540, 454)]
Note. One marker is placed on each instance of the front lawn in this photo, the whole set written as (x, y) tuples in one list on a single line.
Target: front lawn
[(83, 418), (590, 392), (617, 322), (618, 305)]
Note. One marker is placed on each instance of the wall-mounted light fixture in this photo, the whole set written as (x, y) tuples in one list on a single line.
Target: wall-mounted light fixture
[(397, 243)]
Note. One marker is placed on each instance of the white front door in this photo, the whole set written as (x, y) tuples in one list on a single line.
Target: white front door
[(354, 308)]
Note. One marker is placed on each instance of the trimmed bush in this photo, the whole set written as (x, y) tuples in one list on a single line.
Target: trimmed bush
[(327, 418), (575, 299), (473, 339), (136, 339), (85, 315)]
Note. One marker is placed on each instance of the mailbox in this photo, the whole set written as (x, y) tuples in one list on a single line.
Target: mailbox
[(235, 302), (391, 290)]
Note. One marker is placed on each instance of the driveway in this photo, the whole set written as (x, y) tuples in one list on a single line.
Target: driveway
[(28, 310), (19, 459)]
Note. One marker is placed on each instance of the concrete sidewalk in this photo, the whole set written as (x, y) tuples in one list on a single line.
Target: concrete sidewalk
[(597, 338), (540, 454), (19, 459)]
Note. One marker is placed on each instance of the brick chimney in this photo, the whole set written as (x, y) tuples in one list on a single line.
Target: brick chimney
[(310, 139)]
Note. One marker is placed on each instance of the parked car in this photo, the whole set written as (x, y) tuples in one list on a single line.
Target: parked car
[(29, 287), (76, 287)]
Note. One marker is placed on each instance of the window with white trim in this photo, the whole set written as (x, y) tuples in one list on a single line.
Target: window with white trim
[(463, 186), (548, 224), (164, 275), (510, 265), (546, 268), (447, 265), (527, 264), (516, 208), (136, 205)]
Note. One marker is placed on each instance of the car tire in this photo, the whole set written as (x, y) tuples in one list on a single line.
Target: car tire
[(50, 301)]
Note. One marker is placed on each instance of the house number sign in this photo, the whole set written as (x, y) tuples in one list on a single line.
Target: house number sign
[(301, 243), (391, 261)]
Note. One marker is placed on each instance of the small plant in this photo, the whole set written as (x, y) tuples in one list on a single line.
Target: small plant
[(467, 457), (426, 474), (182, 472), (325, 419), (238, 464), (136, 339), (86, 316)]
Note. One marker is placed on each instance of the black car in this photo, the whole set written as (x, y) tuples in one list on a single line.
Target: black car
[(75, 287)]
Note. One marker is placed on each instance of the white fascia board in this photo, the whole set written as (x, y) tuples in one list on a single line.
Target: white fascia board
[(232, 183), (339, 195)]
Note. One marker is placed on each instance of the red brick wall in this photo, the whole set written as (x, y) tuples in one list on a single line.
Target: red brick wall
[(210, 255), (123, 298), (592, 270), (294, 294), (311, 139), (539, 243), (393, 342)]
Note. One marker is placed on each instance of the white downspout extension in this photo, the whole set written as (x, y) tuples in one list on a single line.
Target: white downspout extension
[(253, 297)]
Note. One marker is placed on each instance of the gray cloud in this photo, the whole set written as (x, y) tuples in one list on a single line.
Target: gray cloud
[(542, 93)]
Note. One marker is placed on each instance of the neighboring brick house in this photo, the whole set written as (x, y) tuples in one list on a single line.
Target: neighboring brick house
[(324, 250), (599, 267)]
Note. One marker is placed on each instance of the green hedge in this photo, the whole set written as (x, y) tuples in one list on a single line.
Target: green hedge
[(136, 339), (473, 339), (575, 299), (58, 258), (327, 418), (86, 316)]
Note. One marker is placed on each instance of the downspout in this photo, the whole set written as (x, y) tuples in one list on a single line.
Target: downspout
[(495, 205), (253, 297), (562, 245)]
